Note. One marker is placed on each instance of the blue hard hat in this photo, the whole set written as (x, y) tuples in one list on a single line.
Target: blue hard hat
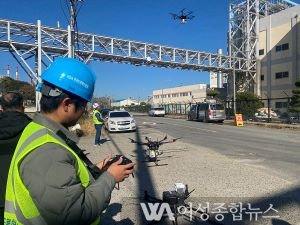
[(71, 75)]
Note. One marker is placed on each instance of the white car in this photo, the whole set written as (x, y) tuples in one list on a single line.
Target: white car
[(157, 111), (119, 121)]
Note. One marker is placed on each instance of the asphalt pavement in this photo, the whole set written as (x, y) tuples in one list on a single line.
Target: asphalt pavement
[(218, 182)]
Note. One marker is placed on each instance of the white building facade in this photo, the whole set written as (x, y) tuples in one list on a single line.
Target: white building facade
[(279, 56), (180, 95)]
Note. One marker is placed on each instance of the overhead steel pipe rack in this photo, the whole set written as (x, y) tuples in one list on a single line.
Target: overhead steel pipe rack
[(43, 44)]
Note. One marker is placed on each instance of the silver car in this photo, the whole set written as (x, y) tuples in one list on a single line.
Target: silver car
[(157, 111), (119, 121)]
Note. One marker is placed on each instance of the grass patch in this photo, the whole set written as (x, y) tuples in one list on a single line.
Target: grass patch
[(87, 125)]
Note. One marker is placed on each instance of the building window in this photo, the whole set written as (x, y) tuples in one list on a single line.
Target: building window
[(279, 105), (285, 46), (281, 75), (278, 48), (262, 77), (261, 52), (282, 47)]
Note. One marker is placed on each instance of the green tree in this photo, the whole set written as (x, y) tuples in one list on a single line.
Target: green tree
[(213, 93), (294, 105), (9, 84), (247, 104)]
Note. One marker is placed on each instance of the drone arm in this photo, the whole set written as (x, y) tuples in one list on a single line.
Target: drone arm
[(174, 16), (171, 141), (189, 193), (137, 142)]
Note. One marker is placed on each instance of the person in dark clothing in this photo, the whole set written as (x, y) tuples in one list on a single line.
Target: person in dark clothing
[(13, 120)]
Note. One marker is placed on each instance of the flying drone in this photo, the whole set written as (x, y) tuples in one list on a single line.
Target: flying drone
[(152, 152), (184, 15)]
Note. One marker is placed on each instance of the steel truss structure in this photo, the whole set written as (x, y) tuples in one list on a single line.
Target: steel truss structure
[(34, 46), (39, 45), (244, 18)]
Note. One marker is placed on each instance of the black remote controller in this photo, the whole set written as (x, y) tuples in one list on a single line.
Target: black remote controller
[(125, 161)]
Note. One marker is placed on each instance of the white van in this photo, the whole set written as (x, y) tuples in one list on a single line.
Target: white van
[(157, 111)]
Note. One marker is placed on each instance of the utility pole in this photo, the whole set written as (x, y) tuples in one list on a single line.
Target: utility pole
[(72, 27)]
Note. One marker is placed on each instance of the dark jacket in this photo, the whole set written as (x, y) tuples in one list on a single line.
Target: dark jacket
[(11, 126)]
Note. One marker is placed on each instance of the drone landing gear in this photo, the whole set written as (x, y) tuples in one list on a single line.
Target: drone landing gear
[(155, 161)]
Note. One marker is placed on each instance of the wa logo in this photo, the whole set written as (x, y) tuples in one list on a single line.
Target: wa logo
[(156, 211)]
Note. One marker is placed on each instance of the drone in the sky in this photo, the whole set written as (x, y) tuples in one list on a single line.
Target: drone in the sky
[(152, 152), (184, 15)]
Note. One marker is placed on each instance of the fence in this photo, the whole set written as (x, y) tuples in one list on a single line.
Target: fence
[(263, 110)]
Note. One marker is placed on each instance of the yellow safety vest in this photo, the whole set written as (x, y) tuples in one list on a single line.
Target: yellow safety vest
[(19, 206), (95, 120)]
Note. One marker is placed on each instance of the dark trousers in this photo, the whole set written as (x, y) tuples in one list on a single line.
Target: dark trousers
[(1, 215), (98, 128)]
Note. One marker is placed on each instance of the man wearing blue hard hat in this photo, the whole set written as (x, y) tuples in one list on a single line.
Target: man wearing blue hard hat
[(50, 181)]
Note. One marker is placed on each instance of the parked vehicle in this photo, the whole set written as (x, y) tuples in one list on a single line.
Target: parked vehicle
[(207, 112), (157, 111), (119, 121), (261, 117), (104, 112)]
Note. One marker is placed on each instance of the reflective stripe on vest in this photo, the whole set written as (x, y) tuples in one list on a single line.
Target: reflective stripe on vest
[(19, 206), (95, 120)]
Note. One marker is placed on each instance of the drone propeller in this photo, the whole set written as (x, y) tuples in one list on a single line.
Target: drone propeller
[(187, 13), (182, 11), (161, 141), (175, 139), (132, 141), (174, 16)]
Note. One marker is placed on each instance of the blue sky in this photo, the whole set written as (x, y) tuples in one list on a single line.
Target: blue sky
[(139, 20)]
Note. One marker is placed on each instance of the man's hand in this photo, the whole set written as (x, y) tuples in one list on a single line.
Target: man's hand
[(102, 164), (120, 172)]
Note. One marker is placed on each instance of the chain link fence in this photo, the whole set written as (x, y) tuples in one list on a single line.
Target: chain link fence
[(273, 110)]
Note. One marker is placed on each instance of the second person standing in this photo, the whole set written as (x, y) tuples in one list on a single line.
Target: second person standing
[(98, 123)]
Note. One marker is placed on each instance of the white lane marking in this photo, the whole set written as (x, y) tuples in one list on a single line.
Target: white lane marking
[(152, 123)]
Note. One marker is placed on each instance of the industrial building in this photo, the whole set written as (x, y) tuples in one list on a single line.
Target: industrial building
[(279, 51), (180, 95)]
